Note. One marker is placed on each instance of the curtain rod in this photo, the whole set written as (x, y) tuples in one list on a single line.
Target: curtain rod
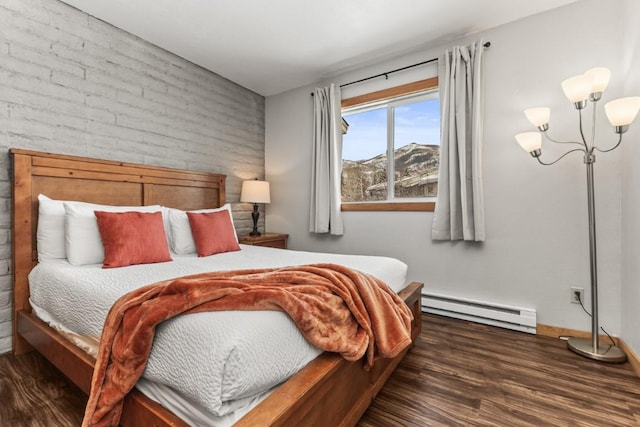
[(386, 75)]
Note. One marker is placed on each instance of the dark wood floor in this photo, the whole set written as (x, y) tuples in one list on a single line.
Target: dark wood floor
[(466, 374), (458, 374), (35, 394)]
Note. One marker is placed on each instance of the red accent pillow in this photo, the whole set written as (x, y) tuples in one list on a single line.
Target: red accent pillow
[(213, 232), (132, 238)]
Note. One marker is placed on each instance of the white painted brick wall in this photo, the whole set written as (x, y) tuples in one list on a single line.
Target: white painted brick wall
[(72, 84)]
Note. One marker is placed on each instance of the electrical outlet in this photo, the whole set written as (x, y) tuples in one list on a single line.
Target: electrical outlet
[(575, 291)]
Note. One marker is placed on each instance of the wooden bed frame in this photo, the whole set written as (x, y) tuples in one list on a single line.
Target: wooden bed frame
[(329, 391)]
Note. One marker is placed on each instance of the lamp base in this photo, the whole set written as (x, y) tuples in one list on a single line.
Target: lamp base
[(255, 215), (605, 353)]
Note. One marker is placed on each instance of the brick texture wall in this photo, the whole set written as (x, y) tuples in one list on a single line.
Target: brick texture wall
[(72, 84)]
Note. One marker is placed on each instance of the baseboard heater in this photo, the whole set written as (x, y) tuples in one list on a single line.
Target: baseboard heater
[(504, 316)]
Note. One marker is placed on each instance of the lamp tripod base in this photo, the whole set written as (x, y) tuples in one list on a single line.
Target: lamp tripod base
[(604, 353)]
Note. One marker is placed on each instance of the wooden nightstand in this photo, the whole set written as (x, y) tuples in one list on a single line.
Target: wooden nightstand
[(272, 240)]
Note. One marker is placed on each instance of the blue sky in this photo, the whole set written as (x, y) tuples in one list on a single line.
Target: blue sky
[(367, 136)]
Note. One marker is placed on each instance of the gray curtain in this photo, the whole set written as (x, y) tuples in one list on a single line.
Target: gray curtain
[(459, 213), (325, 215)]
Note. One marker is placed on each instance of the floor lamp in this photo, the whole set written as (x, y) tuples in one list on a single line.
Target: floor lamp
[(621, 113)]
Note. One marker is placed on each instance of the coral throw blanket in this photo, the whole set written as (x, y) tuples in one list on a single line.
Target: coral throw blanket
[(336, 309)]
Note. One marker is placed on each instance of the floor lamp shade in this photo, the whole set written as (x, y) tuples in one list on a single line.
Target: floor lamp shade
[(255, 192)]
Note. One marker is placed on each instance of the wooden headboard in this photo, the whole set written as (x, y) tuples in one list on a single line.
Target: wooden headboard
[(63, 177)]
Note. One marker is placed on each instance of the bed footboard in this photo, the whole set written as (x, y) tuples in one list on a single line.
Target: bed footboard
[(330, 390)]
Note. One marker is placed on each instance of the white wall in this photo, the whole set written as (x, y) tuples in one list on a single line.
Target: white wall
[(630, 187), (537, 241)]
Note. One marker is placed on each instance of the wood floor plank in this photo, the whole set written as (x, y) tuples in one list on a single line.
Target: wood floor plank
[(33, 393), (466, 374), (458, 374)]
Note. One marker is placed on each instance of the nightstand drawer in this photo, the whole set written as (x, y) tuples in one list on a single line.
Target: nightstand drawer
[(271, 240), (280, 243)]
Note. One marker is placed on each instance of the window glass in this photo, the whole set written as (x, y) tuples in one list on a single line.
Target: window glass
[(416, 149), (364, 156), (408, 128)]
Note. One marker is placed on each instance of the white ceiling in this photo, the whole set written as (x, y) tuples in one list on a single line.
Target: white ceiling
[(271, 46)]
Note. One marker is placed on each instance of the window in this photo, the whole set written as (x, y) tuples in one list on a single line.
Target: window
[(390, 151)]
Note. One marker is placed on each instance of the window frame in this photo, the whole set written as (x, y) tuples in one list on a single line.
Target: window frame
[(379, 96)]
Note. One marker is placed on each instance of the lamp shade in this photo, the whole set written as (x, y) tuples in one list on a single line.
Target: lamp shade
[(622, 111), (577, 88), (255, 191), (529, 141), (538, 116), (599, 78)]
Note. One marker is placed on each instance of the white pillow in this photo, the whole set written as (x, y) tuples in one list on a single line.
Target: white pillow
[(82, 236), (182, 242), (50, 233)]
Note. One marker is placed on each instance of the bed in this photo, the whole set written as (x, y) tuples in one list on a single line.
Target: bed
[(327, 391)]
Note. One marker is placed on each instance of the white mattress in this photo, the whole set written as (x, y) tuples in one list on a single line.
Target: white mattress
[(219, 362)]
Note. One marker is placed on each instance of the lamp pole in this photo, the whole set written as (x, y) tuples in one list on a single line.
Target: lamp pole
[(591, 347), (593, 256)]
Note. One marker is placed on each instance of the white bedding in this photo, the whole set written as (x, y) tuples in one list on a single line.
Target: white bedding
[(217, 360)]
